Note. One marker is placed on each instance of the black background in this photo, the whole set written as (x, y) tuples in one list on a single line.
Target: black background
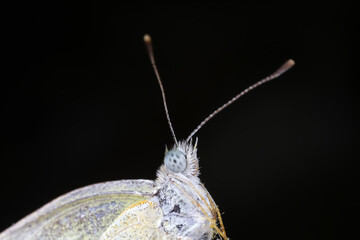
[(81, 105)]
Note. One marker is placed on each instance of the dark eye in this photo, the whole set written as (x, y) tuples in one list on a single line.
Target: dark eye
[(175, 160)]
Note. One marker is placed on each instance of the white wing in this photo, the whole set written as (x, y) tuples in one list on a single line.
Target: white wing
[(84, 213)]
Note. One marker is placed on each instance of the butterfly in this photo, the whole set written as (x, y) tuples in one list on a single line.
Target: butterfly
[(174, 206)]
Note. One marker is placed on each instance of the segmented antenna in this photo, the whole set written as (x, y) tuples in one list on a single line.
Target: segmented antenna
[(148, 43), (286, 66)]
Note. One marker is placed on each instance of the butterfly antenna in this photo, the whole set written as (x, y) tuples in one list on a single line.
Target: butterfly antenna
[(148, 43), (286, 66)]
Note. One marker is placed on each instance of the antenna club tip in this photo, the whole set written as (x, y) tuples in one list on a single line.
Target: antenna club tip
[(290, 62), (147, 38)]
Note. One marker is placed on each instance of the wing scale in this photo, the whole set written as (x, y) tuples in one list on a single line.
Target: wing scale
[(84, 213)]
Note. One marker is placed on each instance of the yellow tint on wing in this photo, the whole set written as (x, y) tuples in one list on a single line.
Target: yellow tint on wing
[(141, 221)]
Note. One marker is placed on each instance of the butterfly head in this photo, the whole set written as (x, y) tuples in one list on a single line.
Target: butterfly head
[(182, 159)]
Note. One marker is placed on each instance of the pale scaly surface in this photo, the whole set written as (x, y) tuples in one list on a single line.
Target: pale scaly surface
[(81, 214), (140, 221)]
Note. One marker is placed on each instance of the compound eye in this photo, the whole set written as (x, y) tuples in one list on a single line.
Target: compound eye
[(175, 160)]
